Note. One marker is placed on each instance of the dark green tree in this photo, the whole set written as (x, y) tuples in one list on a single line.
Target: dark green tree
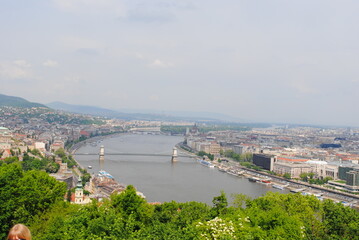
[(25, 194), (340, 222), (129, 203), (287, 175), (220, 204)]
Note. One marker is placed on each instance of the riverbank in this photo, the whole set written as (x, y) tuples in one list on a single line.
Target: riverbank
[(180, 148), (292, 185), (296, 186), (234, 168), (72, 150)]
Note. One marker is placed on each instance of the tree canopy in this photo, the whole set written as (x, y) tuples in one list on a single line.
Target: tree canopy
[(34, 198), (24, 195)]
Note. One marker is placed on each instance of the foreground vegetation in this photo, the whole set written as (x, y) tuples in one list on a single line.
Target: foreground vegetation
[(36, 199)]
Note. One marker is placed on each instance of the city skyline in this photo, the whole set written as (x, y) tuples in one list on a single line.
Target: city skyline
[(265, 61)]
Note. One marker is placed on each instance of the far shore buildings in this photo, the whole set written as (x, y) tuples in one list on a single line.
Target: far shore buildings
[(264, 161), (246, 148), (291, 168), (198, 144), (295, 166)]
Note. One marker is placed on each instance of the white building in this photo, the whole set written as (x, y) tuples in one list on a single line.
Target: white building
[(39, 146), (294, 169)]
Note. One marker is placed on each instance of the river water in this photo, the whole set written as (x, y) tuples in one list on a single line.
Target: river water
[(159, 179)]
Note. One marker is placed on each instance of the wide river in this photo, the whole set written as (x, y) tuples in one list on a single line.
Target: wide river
[(159, 179)]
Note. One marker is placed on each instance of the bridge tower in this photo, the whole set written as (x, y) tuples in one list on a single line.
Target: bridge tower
[(102, 153), (174, 155), (102, 156)]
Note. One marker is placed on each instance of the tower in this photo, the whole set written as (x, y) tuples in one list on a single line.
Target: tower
[(174, 155), (79, 192), (102, 153), (102, 156)]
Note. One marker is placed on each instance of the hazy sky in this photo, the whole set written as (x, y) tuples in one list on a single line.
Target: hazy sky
[(263, 60)]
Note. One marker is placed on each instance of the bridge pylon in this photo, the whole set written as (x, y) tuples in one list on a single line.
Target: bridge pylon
[(102, 157), (102, 153), (174, 155)]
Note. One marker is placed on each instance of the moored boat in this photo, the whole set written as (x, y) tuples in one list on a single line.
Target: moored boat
[(277, 186), (205, 163), (253, 179), (105, 174), (265, 181), (297, 190)]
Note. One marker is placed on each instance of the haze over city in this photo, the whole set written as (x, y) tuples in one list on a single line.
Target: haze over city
[(267, 61)]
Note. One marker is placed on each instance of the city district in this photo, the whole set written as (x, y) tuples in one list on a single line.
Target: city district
[(322, 161)]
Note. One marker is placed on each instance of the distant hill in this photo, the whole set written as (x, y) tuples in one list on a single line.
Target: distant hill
[(131, 114), (82, 109), (11, 101), (209, 116), (103, 112)]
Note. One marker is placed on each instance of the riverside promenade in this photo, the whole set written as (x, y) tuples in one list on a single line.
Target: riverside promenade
[(328, 193)]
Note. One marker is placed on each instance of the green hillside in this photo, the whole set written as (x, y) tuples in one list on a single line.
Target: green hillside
[(11, 101)]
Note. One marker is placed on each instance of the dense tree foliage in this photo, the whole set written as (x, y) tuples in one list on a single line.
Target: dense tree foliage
[(245, 157), (33, 160), (36, 162), (206, 128), (25, 194), (66, 158), (85, 176), (175, 130), (202, 153), (251, 166), (309, 177), (287, 175), (34, 198), (273, 216)]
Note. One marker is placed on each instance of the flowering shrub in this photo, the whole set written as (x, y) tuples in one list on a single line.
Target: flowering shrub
[(216, 228)]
